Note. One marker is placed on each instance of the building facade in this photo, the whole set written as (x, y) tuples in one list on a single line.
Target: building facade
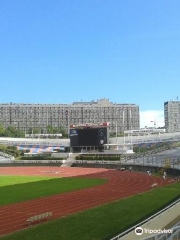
[(172, 116), (38, 116)]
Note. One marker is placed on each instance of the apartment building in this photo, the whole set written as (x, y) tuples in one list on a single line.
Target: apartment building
[(33, 116), (172, 116)]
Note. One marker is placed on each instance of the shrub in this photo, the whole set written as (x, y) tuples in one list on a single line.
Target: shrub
[(96, 158), (40, 158)]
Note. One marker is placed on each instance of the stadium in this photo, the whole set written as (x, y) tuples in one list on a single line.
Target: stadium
[(89, 199)]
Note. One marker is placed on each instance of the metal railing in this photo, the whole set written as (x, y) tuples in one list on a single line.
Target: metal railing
[(145, 221), (149, 161)]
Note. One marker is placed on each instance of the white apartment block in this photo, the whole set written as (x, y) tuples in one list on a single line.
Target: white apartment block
[(172, 116), (122, 117)]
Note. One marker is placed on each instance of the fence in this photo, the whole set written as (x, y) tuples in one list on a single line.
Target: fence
[(131, 231)]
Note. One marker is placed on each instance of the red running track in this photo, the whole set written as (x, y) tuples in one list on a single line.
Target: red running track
[(121, 184)]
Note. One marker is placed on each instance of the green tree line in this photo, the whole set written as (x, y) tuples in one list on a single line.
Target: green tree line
[(11, 131)]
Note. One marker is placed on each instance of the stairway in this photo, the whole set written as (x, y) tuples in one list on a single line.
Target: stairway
[(70, 160)]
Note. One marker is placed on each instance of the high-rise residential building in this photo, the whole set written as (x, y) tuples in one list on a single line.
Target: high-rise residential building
[(172, 116), (121, 117)]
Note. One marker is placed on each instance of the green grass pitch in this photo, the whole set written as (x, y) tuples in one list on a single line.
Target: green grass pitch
[(15, 189)]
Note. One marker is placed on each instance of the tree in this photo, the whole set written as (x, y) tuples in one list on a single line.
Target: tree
[(2, 130), (10, 131), (37, 131), (49, 129), (63, 132)]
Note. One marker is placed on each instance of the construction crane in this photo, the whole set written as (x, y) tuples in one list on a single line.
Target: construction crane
[(155, 122)]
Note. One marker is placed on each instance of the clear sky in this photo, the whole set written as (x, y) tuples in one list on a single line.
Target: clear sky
[(60, 51)]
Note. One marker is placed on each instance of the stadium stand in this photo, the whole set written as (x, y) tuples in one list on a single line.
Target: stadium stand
[(5, 156), (39, 148)]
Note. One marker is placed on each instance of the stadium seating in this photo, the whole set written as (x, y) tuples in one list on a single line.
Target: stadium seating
[(37, 148)]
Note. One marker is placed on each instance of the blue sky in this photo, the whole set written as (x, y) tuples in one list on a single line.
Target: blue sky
[(61, 51)]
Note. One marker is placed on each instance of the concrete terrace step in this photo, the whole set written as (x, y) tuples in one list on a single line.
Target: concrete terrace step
[(67, 163), (70, 160)]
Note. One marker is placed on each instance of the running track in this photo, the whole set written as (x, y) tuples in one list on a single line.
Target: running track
[(121, 184)]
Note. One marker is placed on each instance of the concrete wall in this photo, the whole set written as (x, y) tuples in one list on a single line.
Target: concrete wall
[(137, 168), (31, 163)]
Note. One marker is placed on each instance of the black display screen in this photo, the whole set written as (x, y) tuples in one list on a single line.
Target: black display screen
[(88, 137)]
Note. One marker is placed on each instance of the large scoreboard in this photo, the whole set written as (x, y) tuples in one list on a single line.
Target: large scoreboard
[(94, 136)]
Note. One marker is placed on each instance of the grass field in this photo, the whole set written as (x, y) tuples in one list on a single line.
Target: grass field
[(101, 222), (15, 189), (12, 180)]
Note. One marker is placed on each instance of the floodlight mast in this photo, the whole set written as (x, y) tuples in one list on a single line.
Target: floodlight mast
[(122, 108), (116, 129), (67, 117)]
